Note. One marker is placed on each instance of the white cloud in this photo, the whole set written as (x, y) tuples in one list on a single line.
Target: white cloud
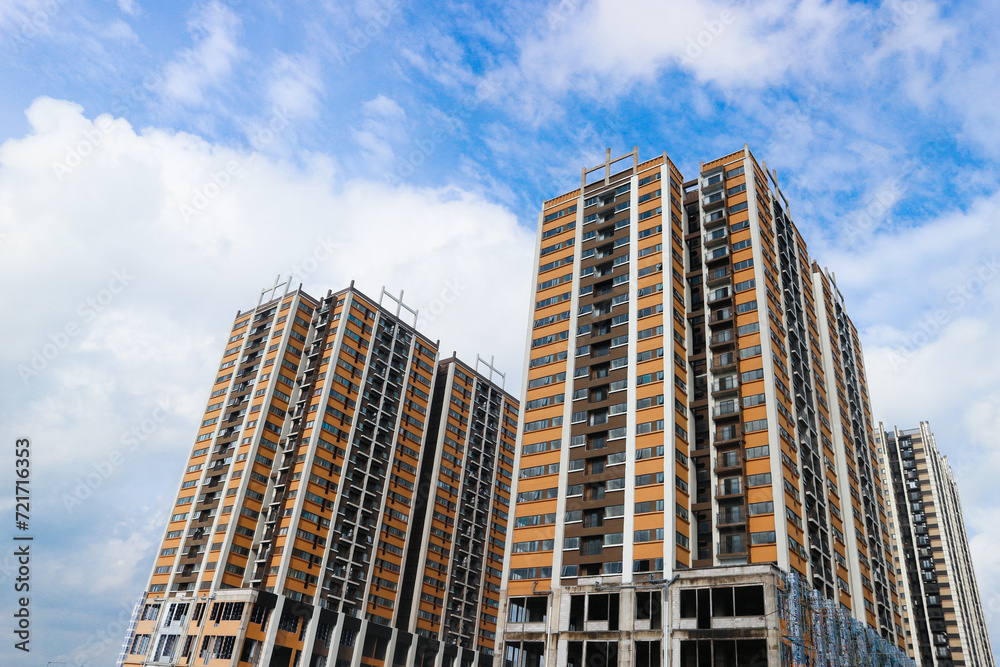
[(155, 336), (382, 127), (603, 48), (927, 301), (295, 84), (209, 62), (129, 7), (120, 31), (144, 205)]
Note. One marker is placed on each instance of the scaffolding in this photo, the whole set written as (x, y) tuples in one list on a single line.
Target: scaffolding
[(817, 632), (130, 632)]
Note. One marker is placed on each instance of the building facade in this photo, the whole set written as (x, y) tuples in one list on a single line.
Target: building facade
[(944, 619), (695, 397), (345, 501)]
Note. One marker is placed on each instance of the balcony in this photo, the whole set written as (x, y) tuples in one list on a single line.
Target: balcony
[(732, 486), (722, 338), (731, 516), (720, 294), (721, 316), (726, 385), (714, 219), (728, 462), (724, 361), (716, 237), (728, 435), (719, 275), (726, 409), (717, 254), (732, 546), (714, 204)]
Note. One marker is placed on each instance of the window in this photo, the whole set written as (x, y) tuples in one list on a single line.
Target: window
[(651, 535), (527, 610), (649, 506), (652, 478)]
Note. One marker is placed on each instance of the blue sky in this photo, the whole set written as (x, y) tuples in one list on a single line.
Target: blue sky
[(199, 149)]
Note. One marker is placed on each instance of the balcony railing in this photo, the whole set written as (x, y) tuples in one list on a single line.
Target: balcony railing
[(728, 434), (724, 360), (734, 488), (721, 252), (714, 218), (725, 409), (718, 275), (722, 337), (721, 315), (727, 461), (719, 294), (716, 237), (725, 384), (733, 545), (730, 516)]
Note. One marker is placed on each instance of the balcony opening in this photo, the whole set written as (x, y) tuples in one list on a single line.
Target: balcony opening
[(648, 606)]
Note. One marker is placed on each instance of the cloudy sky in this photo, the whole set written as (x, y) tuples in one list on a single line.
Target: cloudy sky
[(161, 163)]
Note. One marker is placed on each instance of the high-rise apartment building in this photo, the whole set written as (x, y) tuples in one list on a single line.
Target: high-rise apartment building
[(345, 501), (944, 620), (695, 397)]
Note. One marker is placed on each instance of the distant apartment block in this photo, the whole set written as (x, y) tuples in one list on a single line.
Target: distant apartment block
[(345, 501), (944, 620), (695, 397)]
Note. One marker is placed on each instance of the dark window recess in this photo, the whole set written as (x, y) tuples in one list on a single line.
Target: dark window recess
[(602, 653), (576, 604), (574, 655), (738, 653), (597, 609), (749, 600), (689, 603), (722, 602), (613, 601), (647, 653), (527, 610), (704, 609), (648, 607), (529, 654), (375, 647)]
